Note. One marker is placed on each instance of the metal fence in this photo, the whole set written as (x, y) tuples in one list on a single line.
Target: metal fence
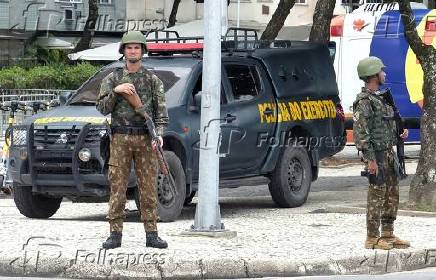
[(22, 62), (27, 95)]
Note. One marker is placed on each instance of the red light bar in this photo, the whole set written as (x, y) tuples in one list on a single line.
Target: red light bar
[(337, 26), (174, 47)]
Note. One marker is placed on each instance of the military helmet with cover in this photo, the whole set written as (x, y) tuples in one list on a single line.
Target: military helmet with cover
[(369, 66), (132, 37)]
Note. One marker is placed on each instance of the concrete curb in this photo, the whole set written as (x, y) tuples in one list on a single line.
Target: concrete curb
[(340, 166), (362, 210), (353, 162), (375, 262)]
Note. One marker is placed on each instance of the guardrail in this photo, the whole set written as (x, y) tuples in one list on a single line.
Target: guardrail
[(24, 95)]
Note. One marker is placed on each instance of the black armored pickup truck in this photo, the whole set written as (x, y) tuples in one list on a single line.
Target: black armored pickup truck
[(280, 112)]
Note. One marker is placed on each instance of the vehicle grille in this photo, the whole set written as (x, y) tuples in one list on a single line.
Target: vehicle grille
[(54, 145), (54, 138)]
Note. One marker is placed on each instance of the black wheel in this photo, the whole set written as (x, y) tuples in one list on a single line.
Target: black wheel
[(35, 205), (291, 179), (189, 198), (169, 202)]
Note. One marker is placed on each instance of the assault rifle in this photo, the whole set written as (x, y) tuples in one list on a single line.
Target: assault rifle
[(163, 164), (388, 98)]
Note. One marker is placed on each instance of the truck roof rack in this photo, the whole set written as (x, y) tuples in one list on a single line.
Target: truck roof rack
[(240, 39), (168, 42), (171, 43)]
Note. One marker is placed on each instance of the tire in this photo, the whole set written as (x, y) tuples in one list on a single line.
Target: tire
[(169, 207), (35, 205), (291, 179), (189, 198)]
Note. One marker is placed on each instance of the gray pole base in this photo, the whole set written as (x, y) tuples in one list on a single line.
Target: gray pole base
[(213, 233)]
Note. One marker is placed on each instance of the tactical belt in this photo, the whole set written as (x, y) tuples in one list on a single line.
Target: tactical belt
[(130, 130)]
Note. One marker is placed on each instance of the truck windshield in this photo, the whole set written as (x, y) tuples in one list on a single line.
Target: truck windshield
[(173, 78)]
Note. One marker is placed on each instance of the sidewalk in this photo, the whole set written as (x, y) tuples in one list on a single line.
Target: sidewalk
[(269, 242), (322, 237)]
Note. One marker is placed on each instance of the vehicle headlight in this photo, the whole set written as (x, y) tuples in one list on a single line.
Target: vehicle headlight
[(85, 154), (19, 136)]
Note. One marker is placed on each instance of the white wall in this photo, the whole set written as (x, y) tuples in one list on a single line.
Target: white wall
[(135, 9), (301, 14), (250, 10), (188, 11)]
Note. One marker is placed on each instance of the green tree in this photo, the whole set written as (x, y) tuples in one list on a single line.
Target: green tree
[(423, 184), (320, 31), (89, 29), (277, 20), (173, 15)]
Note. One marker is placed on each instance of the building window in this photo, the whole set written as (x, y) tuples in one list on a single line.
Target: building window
[(244, 80), (70, 1), (68, 15), (104, 2), (265, 10), (301, 2)]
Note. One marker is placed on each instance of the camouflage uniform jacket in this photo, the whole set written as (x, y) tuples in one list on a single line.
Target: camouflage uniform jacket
[(150, 90), (373, 124)]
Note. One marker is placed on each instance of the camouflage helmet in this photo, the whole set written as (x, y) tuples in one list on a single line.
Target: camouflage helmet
[(132, 37), (369, 66)]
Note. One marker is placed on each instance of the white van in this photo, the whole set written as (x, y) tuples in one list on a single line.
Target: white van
[(377, 30)]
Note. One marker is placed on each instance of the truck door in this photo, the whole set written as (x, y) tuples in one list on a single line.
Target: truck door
[(247, 89)]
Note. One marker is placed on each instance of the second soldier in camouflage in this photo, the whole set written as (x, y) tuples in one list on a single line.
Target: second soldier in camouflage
[(374, 132)]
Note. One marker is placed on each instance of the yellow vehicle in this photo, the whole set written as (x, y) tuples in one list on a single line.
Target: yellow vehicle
[(12, 107)]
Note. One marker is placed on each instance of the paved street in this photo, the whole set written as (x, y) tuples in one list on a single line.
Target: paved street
[(320, 238)]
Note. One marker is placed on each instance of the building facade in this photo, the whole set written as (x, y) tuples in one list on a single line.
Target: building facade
[(258, 12), (57, 15)]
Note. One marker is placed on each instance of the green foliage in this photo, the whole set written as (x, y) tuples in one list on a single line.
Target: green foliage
[(79, 74), (47, 56), (13, 77), (51, 76)]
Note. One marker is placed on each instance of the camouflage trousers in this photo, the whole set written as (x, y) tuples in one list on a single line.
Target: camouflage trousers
[(382, 204), (123, 150)]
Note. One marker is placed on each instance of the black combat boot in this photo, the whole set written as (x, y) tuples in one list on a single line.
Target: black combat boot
[(113, 241), (153, 240)]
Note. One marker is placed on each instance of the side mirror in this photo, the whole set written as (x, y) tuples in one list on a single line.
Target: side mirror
[(64, 96), (54, 103), (332, 49), (197, 103)]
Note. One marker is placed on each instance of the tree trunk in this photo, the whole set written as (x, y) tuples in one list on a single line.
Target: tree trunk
[(172, 19), (277, 20), (320, 32), (424, 184), (89, 29)]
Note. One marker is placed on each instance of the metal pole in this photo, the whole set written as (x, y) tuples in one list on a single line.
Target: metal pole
[(224, 17), (239, 12), (207, 215)]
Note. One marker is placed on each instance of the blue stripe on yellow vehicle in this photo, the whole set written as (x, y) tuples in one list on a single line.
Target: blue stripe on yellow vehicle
[(404, 73)]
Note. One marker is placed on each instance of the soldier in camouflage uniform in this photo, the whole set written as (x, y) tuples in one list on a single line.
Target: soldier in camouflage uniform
[(127, 93), (374, 132)]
